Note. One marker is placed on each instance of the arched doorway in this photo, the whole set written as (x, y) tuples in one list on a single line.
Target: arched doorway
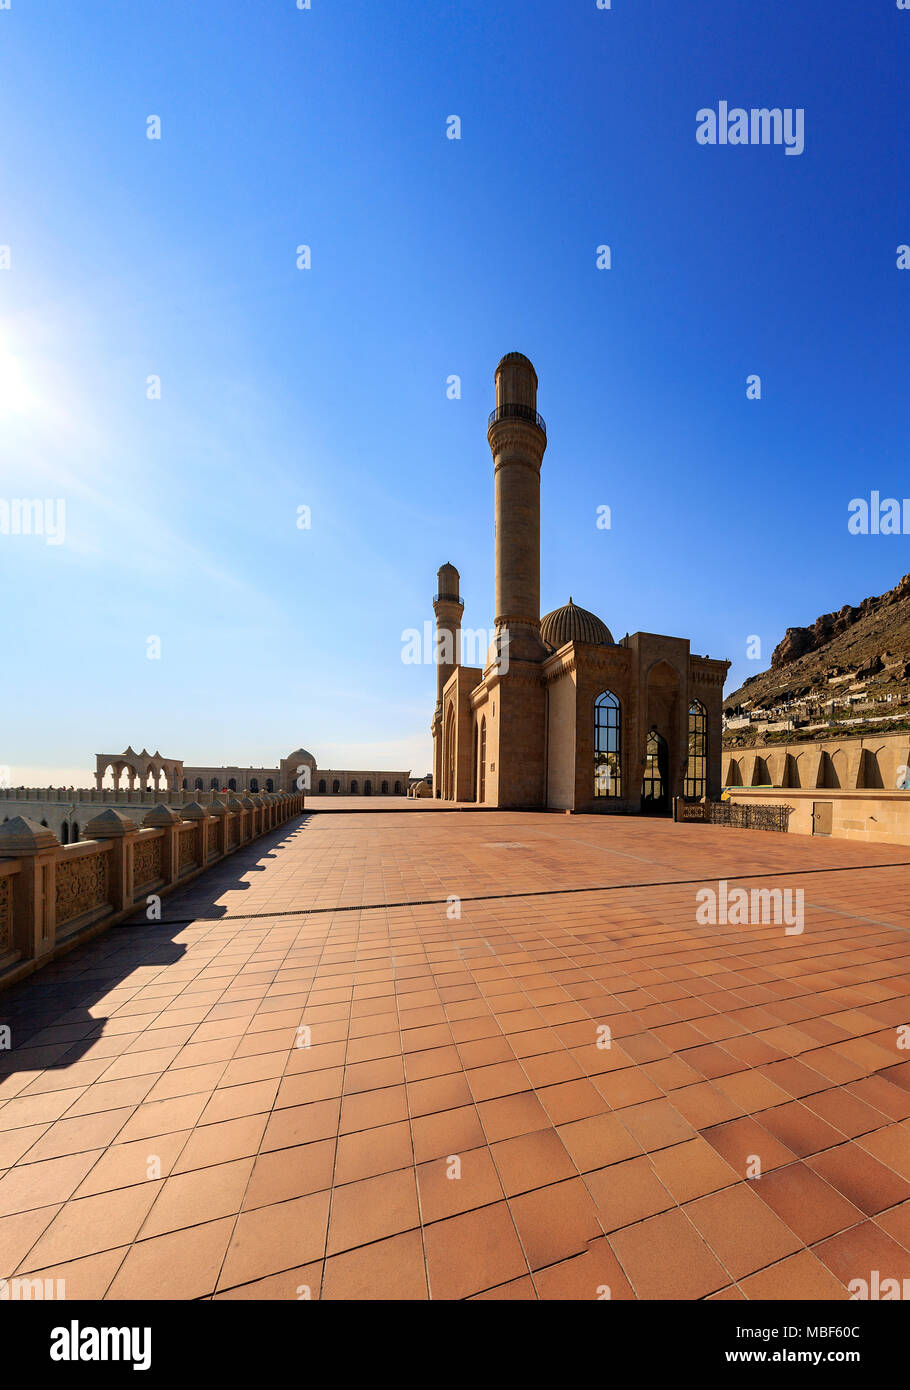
[(354, 786), (336, 785), (368, 788), (655, 784)]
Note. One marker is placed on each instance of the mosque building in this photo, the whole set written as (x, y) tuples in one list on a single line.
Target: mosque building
[(562, 716)]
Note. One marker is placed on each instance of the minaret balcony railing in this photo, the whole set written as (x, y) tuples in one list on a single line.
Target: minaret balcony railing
[(517, 412), (447, 598)]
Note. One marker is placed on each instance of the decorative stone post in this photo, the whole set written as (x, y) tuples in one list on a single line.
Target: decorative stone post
[(218, 828), (117, 827), (249, 817), (200, 817), (33, 888), (164, 816)]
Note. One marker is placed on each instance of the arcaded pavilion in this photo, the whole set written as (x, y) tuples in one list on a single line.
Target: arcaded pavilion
[(562, 716)]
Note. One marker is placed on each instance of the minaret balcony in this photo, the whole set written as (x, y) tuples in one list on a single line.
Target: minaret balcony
[(517, 412)]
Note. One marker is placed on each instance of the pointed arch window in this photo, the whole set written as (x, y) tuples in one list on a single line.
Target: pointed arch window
[(607, 746), (482, 761), (696, 768)]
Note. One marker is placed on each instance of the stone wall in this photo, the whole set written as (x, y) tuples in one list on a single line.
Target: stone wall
[(67, 813), (835, 764)]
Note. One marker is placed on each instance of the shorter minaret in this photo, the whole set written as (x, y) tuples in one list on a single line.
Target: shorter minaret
[(448, 607)]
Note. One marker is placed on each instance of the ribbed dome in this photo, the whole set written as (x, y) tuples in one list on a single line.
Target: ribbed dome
[(573, 624)]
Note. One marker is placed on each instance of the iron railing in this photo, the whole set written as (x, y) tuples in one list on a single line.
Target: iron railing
[(516, 412), (447, 598), (745, 817)]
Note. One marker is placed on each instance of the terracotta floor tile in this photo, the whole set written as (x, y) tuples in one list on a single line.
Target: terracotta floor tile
[(42, 1184), (555, 1222), (370, 1109), (597, 1141), (222, 1142), (705, 1105), (882, 1095), (595, 1274), (92, 1224), (896, 1222), (286, 1173), (743, 1231), (388, 1269), (372, 1209), (182, 1264), (447, 1132), (515, 1291), (457, 1183), (369, 1152), (855, 1254), (752, 1091), (500, 1079), (800, 1129), (300, 1124), (665, 1257), (437, 1061), (846, 1112), (438, 1093), (809, 1206), (799, 1277), (301, 1283), (890, 1146), (509, 1116), (472, 1252), (270, 1239), (70, 1136), (551, 1068), (743, 1141), (88, 1278), (863, 1180), (370, 1076), (627, 1087), (162, 1117), (124, 1165), (657, 1124), (692, 1169), (18, 1234), (531, 1160), (571, 1100), (627, 1192)]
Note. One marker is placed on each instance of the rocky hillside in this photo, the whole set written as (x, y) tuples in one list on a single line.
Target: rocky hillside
[(862, 651)]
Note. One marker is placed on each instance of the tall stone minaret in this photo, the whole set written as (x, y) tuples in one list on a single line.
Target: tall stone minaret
[(448, 607), (517, 439)]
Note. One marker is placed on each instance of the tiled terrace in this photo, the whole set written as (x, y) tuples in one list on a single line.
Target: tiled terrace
[(162, 1133)]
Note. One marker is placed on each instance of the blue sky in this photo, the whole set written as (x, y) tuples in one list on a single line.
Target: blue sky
[(326, 388)]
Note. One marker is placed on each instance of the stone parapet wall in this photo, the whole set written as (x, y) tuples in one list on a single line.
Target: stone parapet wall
[(52, 895), (877, 817)]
